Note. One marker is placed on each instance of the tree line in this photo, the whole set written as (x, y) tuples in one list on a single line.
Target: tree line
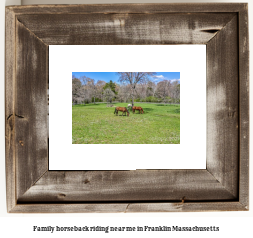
[(132, 87)]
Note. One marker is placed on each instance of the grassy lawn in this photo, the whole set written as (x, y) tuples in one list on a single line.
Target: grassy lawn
[(97, 124)]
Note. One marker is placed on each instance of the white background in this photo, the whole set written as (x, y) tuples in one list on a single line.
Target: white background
[(232, 224), (189, 60)]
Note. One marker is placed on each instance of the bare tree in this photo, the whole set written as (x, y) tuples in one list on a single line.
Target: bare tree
[(100, 84), (141, 90), (154, 87), (162, 90), (90, 87), (133, 78), (124, 93), (78, 92), (175, 91)]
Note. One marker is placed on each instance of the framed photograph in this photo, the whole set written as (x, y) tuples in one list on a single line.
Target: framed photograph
[(98, 80)]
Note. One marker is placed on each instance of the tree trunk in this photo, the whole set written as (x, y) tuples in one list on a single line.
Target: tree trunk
[(94, 100), (132, 96)]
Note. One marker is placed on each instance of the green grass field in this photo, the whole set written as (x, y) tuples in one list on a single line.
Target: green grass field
[(97, 124)]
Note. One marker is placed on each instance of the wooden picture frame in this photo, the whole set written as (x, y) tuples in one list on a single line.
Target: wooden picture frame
[(222, 186)]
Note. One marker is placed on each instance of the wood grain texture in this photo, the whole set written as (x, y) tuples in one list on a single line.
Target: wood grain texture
[(30, 109), (223, 107), (186, 207), (129, 207), (155, 8), (9, 109), (244, 107), (126, 29), (139, 185)]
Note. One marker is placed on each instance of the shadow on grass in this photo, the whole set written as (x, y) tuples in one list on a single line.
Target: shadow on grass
[(147, 110), (87, 105), (167, 105)]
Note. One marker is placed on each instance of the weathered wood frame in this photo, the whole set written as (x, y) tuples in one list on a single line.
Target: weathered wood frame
[(222, 186)]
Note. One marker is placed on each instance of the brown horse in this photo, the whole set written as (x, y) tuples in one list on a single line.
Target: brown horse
[(138, 109), (122, 109)]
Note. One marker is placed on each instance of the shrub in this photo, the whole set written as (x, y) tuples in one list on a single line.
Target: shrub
[(96, 100)]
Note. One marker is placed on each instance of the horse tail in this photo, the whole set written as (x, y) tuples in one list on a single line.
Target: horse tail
[(127, 111), (115, 111)]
